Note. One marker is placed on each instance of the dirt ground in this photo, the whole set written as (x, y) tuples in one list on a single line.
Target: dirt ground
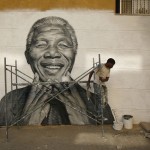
[(70, 137)]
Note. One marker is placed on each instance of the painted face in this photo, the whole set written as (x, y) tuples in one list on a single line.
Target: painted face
[(51, 54)]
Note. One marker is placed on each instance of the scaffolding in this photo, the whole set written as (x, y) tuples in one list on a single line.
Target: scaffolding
[(13, 70)]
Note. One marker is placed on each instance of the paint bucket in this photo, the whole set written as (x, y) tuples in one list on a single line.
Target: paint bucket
[(128, 121), (118, 125)]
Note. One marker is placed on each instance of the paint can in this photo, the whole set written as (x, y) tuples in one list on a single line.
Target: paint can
[(118, 125), (128, 121)]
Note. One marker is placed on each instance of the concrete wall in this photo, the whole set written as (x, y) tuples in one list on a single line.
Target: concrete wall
[(125, 38)]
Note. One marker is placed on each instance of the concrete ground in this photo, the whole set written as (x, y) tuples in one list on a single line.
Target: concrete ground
[(73, 138)]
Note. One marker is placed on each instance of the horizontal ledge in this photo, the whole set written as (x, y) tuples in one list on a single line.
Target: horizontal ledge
[(51, 83)]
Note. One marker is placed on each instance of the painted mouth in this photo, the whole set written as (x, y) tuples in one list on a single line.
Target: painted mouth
[(52, 68)]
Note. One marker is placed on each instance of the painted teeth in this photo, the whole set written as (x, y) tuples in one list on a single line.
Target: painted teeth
[(53, 67)]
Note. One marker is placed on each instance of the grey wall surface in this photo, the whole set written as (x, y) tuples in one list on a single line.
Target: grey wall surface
[(125, 38)]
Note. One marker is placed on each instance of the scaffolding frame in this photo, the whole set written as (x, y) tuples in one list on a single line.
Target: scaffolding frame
[(16, 84)]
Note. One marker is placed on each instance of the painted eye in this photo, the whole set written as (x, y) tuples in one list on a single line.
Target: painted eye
[(64, 45), (41, 44)]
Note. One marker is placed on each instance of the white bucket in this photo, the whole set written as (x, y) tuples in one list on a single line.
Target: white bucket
[(128, 121), (118, 125)]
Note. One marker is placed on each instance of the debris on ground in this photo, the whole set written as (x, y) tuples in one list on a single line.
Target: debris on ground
[(146, 127)]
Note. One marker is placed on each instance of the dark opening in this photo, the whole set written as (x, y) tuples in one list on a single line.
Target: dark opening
[(117, 7)]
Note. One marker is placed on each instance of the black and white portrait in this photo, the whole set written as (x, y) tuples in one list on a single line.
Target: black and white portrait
[(51, 49)]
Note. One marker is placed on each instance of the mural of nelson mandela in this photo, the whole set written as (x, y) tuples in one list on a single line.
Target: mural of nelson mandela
[(50, 51)]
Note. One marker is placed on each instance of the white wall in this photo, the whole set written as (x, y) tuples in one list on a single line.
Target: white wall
[(125, 38)]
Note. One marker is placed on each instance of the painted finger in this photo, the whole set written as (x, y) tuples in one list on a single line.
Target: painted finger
[(42, 90), (69, 100), (35, 98), (45, 111), (66, 77), (62, 98), (62, 88), (42, 95)]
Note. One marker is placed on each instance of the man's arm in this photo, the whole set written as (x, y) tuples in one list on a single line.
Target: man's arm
[(104, 80), (89, 79)]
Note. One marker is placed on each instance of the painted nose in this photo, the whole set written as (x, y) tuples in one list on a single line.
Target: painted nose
[(52, 53)]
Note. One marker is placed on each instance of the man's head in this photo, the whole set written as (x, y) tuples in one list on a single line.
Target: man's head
[(51, 48), (110, 63)]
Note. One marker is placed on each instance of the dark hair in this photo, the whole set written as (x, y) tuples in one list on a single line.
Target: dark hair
[(111, 60)]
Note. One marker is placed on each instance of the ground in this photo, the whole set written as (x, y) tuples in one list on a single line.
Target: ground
[(70, 137)]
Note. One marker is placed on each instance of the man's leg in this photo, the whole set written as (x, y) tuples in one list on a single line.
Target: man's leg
[(97, 91), (105, 95), (103, 101)]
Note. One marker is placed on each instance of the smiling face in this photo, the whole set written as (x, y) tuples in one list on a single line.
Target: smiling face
[(51, 53)]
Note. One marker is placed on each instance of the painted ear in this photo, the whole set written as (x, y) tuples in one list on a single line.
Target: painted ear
[(27, 56)]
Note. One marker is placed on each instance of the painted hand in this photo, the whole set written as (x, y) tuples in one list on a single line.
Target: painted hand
[(88, 85), (74, 104), (35, 108)]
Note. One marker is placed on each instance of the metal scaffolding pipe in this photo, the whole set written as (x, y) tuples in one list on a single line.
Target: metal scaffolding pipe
[(50, 83), (24, 74), (17, 75), (48, 100), (72, 83), (6, 112)]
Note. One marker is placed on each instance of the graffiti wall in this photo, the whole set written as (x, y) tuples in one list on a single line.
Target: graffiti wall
[(57, 46)]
